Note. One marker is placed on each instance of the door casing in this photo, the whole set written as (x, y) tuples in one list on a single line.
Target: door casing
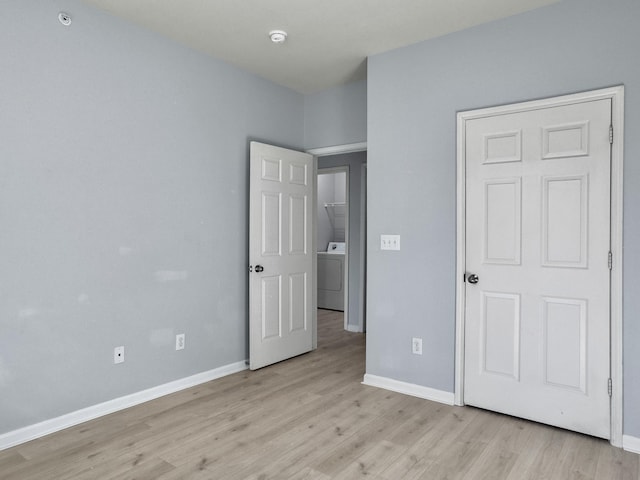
[(616, 94)]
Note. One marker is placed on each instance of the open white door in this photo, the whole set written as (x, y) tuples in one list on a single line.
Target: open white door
[(281, 254)]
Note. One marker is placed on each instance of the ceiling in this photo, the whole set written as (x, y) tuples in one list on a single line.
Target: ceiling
[(328, 40)]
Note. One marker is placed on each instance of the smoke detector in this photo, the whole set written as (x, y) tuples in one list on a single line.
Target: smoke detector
[(278, 36), (65, 18)]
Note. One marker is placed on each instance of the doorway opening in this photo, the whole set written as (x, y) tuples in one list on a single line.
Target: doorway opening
[(283, 251), (333, 235), (341, 236)]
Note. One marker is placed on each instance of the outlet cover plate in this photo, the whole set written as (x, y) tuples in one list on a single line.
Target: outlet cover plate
[(180, 341), (118, 354), (416, 346)]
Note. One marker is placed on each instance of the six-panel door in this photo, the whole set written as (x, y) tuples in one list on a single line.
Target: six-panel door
[(281, 279), (537, 236)]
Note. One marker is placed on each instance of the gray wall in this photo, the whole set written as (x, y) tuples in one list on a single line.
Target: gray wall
[(336, 116), (413, 96), (123, 207), (356, 244)]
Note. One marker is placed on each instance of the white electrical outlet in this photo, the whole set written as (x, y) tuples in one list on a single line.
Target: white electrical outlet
[(180, 341), (389, 242), (416, 346), (118, 354)]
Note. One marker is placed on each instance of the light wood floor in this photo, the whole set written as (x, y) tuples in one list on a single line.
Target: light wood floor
[(310, 418)]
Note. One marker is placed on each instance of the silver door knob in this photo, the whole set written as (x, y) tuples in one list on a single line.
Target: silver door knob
[(259, 268), (473, 278)]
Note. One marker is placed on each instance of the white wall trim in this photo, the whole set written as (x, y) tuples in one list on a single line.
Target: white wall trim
[(41, 429), (354, 328), (461, 241), (617, 344), (363, 248), (631, 444), (616, 94), (314, 258), (338, 149), (408, 389)]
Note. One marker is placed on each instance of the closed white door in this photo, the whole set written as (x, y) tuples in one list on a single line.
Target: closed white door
[(281, 254), (537, 263)]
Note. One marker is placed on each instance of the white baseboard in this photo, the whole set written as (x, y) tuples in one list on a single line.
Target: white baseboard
[(41, 429), (631, 444), (354, 328), (408, 389)]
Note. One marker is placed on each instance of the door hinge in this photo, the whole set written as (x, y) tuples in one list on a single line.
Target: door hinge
[(610, 387), (611, 134), (610, 260)]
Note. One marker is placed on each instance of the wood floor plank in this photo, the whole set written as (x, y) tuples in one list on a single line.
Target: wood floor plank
[(304, 443), (372, 462), (616, 464), (579, 457), (310, 418), (439, 437), (73, 456), (12, 459)]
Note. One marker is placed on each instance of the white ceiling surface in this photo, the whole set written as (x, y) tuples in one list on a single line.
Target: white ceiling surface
[(329, 40)]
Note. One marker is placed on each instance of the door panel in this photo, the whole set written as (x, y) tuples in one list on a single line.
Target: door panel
[(298, 302), (271, 297), (501, 334), (281, 276), (565, 214), (538, 237), (502, 221), (271, 240), (298, 225), (564, 342)]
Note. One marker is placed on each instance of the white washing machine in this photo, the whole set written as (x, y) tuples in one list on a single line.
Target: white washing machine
[(336, 248), (331, 277)]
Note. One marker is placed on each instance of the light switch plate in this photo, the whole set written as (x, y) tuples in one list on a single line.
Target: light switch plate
[(389, 242)]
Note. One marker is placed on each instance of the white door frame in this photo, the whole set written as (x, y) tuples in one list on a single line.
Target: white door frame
[(338, 150), (345, 280), (616, 94), (362, 294)]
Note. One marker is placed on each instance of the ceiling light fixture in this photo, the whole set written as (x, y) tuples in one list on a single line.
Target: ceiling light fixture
[(278, 36)]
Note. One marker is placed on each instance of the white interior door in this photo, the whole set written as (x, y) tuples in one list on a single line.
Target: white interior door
[(281, 254), (538, 240)]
